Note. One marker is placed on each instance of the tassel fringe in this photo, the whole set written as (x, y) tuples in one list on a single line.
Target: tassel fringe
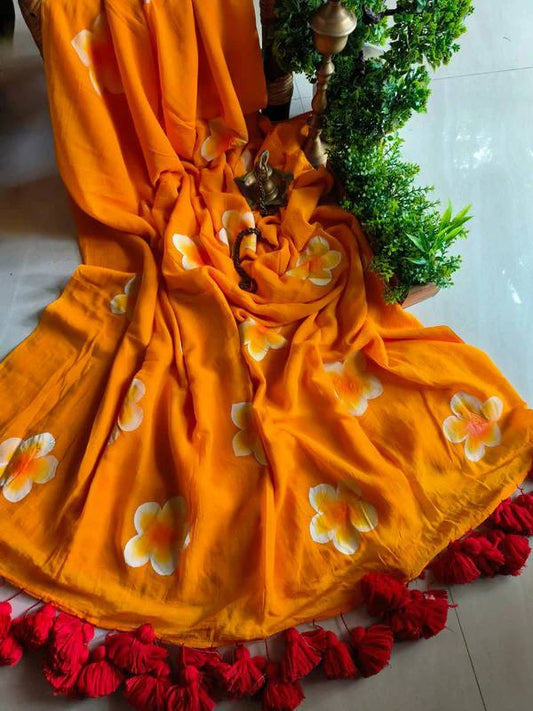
[(138, 666)]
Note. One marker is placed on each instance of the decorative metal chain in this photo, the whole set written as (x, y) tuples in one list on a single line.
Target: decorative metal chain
[(247, 283)]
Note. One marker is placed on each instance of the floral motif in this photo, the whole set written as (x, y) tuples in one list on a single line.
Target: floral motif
[(234, 222), (474, 423), (131, 414), (162, 533), (259, 339), (341, 516), (353, 385), (125, 303), (94, 47), (220, 140), (246, 441), (316, 262), (192, 256), (24, 463)]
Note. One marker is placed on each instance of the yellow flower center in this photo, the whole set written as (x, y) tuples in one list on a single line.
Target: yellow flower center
[(347, 386), (337, 514), (477, 425), (160, 535)]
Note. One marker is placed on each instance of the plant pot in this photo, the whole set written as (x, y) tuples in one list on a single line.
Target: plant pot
[(419, 293)]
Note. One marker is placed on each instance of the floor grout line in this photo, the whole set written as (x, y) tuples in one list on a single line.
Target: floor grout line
[(481, 74), (468, 650)]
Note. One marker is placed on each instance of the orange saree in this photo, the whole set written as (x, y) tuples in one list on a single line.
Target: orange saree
[(176, 450)]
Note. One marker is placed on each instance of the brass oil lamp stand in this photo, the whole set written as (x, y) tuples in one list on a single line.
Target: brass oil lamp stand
[(332, 24)]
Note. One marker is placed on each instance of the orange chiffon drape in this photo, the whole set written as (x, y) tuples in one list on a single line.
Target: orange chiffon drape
[(177, 450)]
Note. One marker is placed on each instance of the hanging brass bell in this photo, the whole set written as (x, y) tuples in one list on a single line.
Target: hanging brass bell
[(265, 187)]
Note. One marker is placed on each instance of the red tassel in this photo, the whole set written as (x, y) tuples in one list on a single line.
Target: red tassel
[(512, 518), (10, 652), (372, 648), (515, 550), (5, 619), (300, 656), (454, 566), (63, 683), (148, 692), (201, 658), (423, 616), (434, 612), (525, 500), (243, 677), (99, 677), (280, 695), (190, 694), (69, 638), (489, 559), (135, 652), (382, 593), (337, 660), (318, 638), (33, 630)]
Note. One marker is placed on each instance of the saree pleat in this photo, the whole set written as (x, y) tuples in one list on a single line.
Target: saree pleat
[(177, 450)]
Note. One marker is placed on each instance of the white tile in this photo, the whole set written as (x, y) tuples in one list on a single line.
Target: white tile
[(297, 107), (499, 36), (304, 86), (497, 620), (475, 145)]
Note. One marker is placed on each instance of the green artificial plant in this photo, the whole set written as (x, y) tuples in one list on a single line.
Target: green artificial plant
[(369, 100)]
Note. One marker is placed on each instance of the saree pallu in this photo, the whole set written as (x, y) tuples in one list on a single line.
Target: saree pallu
[(220, 463)]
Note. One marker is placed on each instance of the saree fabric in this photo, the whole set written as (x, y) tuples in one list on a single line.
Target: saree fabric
[(176, 450)]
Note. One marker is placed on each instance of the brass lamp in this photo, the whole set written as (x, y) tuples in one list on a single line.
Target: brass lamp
[(332, 24)]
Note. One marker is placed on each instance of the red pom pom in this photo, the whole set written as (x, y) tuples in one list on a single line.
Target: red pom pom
[(454, 566), (33, 630), (5, 619), (372, 648), (434, 612), (512, 518), (243, 677), (515, 550), (63, 683), (148, 692), (337, 660), (10, 652), (300, 656), (190, 694), (382, 593), (135, 652), (280, 695), (99, 677), (68, 650)]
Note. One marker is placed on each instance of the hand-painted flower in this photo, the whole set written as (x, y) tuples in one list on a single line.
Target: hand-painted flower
[(192, 256), (316, 262), (125, 303), (24, 463), (353, 386), (234, 222), (95, 49), (131, 414), (259, 339), (220, 140), (246, 441), (341, 516), (474, 423), (162, 533)]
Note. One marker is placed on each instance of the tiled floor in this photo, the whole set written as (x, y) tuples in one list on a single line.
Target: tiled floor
[(475, 144)]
